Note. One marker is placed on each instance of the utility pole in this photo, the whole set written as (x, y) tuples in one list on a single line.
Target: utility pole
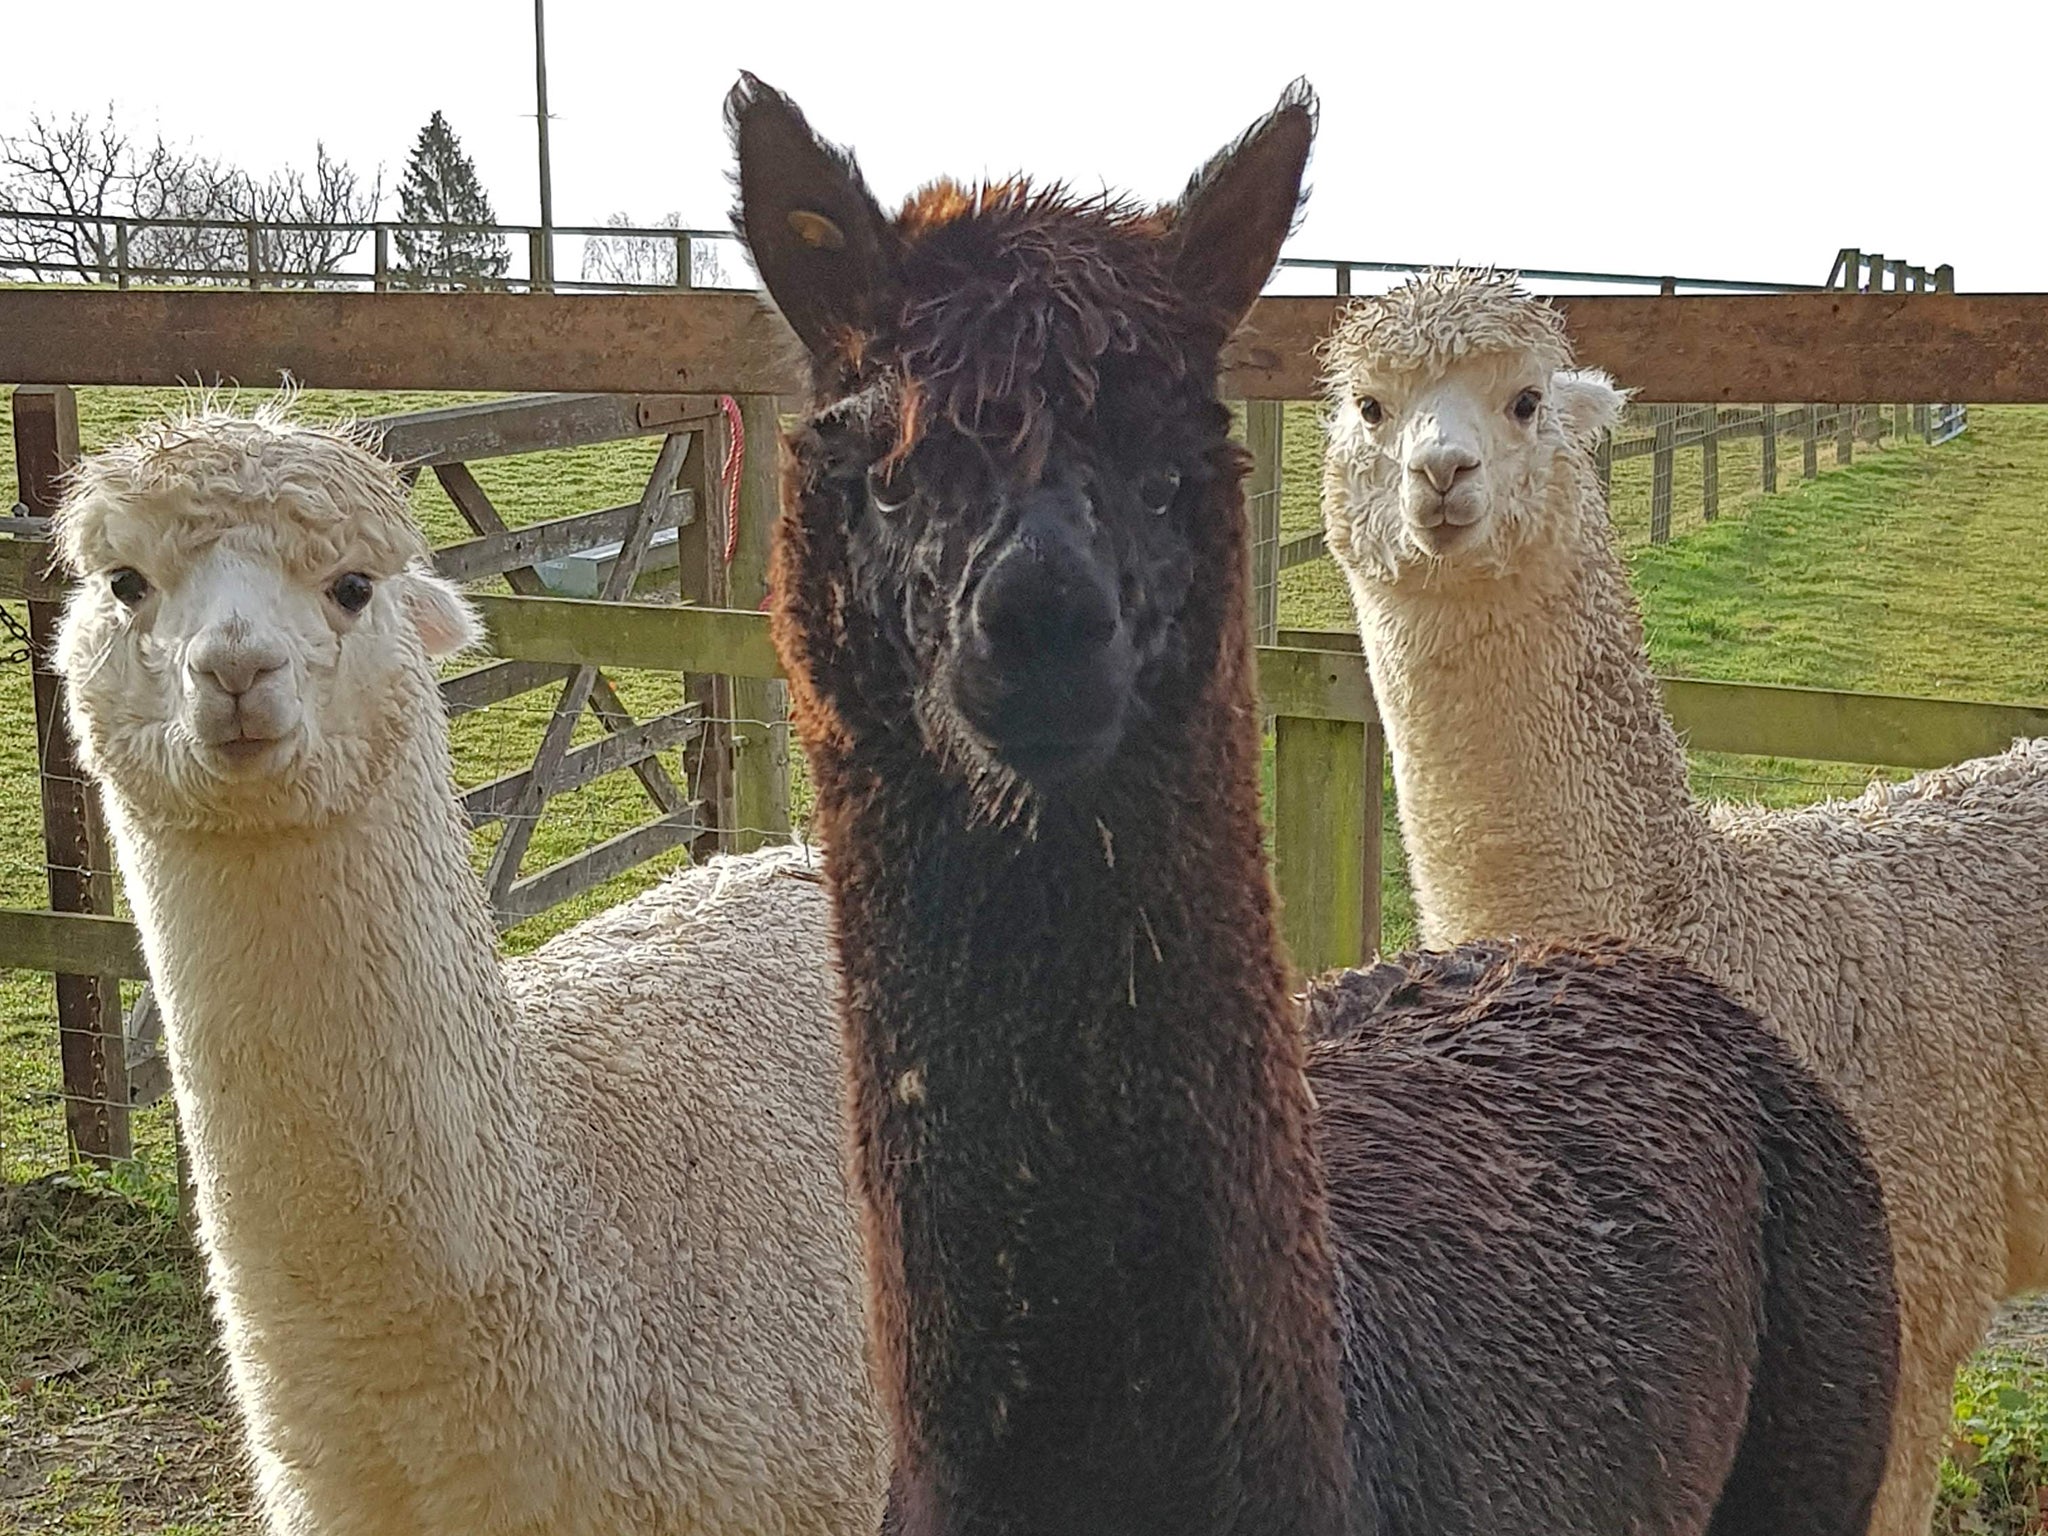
[(544, 278)]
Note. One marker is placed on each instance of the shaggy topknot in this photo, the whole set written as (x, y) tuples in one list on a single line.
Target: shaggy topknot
[(207, 470), (1440, 317)]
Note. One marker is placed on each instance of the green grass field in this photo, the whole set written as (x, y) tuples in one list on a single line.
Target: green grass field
[(1915, 570)]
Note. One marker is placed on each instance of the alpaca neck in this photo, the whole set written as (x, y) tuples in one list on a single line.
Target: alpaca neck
[(1542, 788), (343, 1046), (1097, 1228)]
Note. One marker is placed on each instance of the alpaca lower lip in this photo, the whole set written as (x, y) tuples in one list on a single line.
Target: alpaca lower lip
[(1051, 759), (245, 752), (1047, 726), (1441, 538)]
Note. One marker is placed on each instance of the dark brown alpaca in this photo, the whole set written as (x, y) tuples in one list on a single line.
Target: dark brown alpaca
[(1010, 583)]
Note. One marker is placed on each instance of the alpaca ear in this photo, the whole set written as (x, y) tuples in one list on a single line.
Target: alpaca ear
[(824, 250), (1241, 206), (1587, 403), (446, 623)]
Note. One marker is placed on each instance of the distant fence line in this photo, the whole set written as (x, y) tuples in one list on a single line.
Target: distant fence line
[(677, 257), (1660, 432)]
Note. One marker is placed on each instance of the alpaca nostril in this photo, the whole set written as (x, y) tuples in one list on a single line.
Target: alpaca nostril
[(236, 667), (1029, 606), (1443, 468)]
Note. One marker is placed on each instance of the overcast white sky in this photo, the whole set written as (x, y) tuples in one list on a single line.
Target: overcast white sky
[(1745, 140)]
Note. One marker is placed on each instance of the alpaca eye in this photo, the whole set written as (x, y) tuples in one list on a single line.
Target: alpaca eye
[(128, 585), (1157, 491), (888, 490), (1369, 408), (351, 592), (1525, 405)]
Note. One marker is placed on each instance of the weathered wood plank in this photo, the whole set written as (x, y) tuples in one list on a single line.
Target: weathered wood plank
[(577, 874), (1321, 640), (1823, 725), (1315, 685), (1831, 347), (516, 548), (76, 856), (1265, 433), (70, 944), (760, 705), (494, 429), (629, 635), (1321, 806), (25, 572), (495, 682), (608, 754), (1301, 549)]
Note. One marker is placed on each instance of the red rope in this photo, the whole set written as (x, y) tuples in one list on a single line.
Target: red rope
[(735, 461)]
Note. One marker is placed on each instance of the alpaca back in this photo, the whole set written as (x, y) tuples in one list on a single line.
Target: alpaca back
[(685, 1056), (1552, 1178), (1934, 896)]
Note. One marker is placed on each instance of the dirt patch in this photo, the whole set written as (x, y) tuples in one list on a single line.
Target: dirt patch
[(2022, 1328), (113, 1411)]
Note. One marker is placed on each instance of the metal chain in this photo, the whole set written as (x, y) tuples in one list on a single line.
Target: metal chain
[(25, 645)]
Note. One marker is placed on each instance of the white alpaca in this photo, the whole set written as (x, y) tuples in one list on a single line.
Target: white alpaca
[(1899, 942), (562, 1246)]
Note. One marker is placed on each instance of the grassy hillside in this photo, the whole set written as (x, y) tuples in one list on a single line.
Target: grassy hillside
[(1916, 570)]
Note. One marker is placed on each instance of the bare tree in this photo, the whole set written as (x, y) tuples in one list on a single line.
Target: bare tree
[(650, 260), (71, 172), (78, 175)]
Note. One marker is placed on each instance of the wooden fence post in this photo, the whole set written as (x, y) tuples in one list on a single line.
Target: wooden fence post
[(686, 277), (1906, 279), (1326, 839), (1845, 434), (1264, 434), (1809, 440), (1710, 462), (90, 1039), (701, 577), (540, 277), (380, 274), (760, 705), (120, 253), (1603, 463), (1770, 444), (255, 242), (1664, 424)]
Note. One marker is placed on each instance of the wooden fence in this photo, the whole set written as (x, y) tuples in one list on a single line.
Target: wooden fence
[(122, 251), (1328, 772)]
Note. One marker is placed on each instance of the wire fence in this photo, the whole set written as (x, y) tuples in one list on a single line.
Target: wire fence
[(1673, 469), (118, 251), (498, 739)]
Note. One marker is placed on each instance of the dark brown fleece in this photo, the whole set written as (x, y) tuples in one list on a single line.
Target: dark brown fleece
[(1103, 1286)]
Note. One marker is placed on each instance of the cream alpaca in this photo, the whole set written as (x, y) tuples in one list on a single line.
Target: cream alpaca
[(1899, 942), (560, 1246)]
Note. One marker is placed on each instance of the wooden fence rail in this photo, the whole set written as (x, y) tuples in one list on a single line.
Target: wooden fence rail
[(1785, 349), (1828, 348), (1327, 810)]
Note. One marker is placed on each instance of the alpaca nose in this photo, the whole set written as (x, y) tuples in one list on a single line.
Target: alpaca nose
[(1443, 465), (236, 663), (1045, 600)]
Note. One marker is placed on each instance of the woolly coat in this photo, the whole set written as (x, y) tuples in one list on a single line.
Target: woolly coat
[(601, 1276), (1898, 942)]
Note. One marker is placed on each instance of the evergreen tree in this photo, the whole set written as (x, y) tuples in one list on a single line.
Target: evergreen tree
[(441, 187)]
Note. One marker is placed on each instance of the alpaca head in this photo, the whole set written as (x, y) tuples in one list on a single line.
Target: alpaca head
[(1455, 415), (1016, 499), (254, 621)]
